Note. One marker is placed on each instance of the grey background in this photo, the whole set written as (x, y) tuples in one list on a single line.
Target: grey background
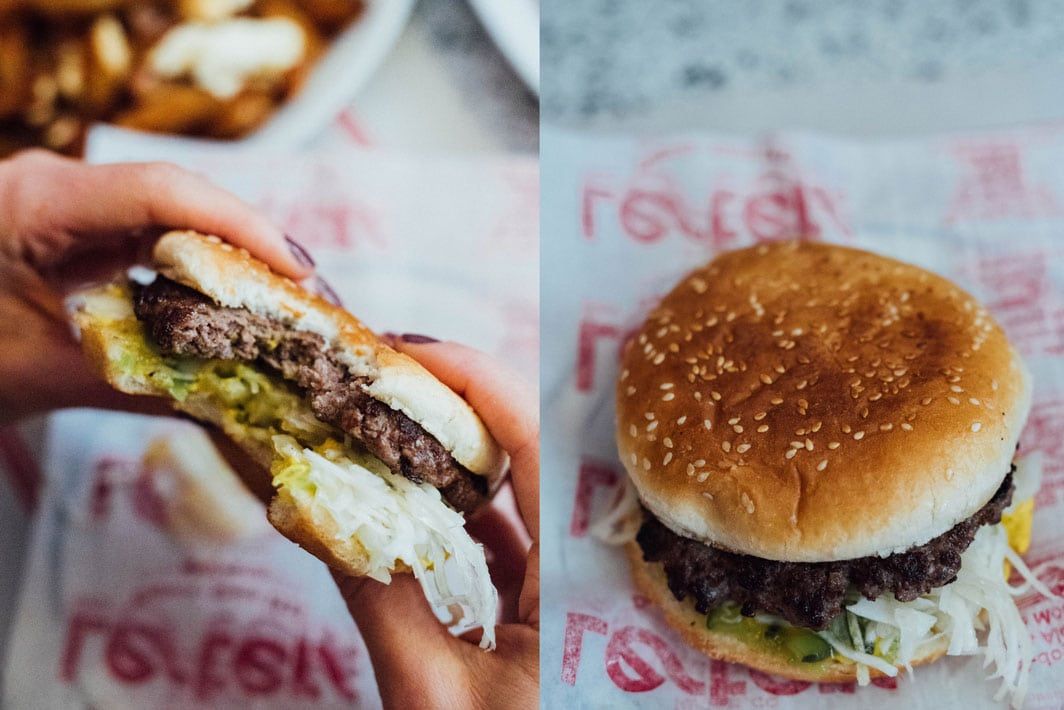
[(856, 66)]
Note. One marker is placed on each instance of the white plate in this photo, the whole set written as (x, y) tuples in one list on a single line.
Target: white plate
[(514, 25), (352, 58)]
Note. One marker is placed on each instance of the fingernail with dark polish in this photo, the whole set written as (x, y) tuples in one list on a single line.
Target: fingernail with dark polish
[(301, 254), (415, 339), (326, 291)]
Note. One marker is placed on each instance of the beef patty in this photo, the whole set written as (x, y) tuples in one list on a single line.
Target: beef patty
[(184, 322), (809, 594)]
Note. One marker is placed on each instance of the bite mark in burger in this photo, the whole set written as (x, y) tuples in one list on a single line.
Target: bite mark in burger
[(822, 444), (373, 459)]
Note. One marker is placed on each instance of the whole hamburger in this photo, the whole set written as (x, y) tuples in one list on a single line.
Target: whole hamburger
[(822, 443)]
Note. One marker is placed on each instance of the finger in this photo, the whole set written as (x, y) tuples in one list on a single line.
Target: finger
[(408, 647), (109, 199), (505, 402), (528, 603), (506, 557)]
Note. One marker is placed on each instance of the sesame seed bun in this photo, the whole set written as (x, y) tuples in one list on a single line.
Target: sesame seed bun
[(681, 615), (811, 402)]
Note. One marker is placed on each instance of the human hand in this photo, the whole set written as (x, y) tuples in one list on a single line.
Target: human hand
[(417, 662), (63, 223)]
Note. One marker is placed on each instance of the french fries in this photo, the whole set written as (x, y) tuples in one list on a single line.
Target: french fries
[(16, 70), (171, 108), (66, 8), (65, 64)]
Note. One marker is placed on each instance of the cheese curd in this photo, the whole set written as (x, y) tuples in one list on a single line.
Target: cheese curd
[(222, 58)]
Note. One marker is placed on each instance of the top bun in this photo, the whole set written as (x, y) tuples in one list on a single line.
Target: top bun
[(810, 402), (232, 277)]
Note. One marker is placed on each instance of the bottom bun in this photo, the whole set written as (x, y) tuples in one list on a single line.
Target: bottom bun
[(650, 580)]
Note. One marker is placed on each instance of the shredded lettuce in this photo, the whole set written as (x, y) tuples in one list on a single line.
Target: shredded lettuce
[(976, 613), (394, 520), (620, 522)]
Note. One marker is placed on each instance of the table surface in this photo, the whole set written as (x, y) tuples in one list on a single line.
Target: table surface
[(445, 88), (853, 66)]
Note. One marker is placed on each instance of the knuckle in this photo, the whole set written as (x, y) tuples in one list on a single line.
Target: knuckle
[(162, 176)]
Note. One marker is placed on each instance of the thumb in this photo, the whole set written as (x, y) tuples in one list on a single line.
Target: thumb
[(411, 651)]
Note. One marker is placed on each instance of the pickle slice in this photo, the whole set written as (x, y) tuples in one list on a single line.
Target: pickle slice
[(806, 646)]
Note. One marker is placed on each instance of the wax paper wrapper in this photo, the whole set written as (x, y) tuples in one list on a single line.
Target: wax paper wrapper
[(627, 217), (127, 604)]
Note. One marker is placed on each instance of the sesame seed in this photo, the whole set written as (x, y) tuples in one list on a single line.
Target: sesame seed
[(809, 444), (668, 457), (630, 391), (649, 416), (801, 385), (646, 464), (708, 424), (634, 459), (700, 462), (633, 430), (822, 465), (667, 386), (955, 388), (886, 427), (953, 400), (668, 397), (766, 379), (726, 445), (790, 453), (733, 420), (846, 429), (799, 432), (759, 416), (668, 442), (776, 400), (738, 429), (690, 469), (747, 503), (797, 444), (816, 427), (974, 401), (652, 426), (833, 445), (925, 401), (703, 476), (976, 426), (707, 494), (858, 435), (742, 448), (715, 395), (906, 426), (659, 358), (762, 429)]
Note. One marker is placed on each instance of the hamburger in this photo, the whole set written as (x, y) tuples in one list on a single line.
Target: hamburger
[(821, 441), (374, 462)]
